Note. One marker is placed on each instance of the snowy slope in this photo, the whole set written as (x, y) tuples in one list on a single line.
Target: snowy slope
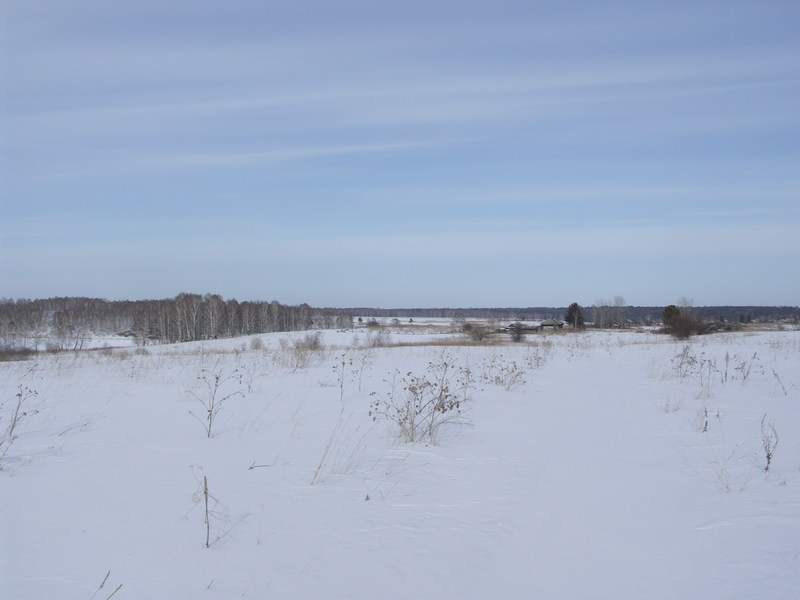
[(616, 465)]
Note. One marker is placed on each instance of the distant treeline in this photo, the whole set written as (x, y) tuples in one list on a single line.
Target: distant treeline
[(641, 315), (67, 322)]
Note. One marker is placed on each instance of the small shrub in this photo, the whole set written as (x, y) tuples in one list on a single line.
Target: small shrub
[(536, 357), (683, 327), (301, 352), (310, 341), (684, 362), (506, 374), (704, 369), (377, 339), (517, 331), (425, 403), (476, 333)]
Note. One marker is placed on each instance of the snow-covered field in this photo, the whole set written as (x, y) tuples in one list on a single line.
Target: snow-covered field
[(591, 465)]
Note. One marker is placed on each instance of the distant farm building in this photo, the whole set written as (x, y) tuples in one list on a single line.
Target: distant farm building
[(522, 328)]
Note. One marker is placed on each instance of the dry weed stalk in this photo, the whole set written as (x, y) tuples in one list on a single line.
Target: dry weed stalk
[(19, 412), (340, 369), (210, 506), (215, 397), (102, 585), (208, 521), (777, 377), (769, 440)]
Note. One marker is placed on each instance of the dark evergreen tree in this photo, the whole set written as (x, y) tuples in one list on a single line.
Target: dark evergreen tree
[(680, 324), (670, 313), (574, 316)]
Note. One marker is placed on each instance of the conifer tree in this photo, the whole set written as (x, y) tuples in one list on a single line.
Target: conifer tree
[(574, 316)]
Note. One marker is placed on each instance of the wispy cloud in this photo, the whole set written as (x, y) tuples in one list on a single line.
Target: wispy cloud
[(269, 156), (180, 159)]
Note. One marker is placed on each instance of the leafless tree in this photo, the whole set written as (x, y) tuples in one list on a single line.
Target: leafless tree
[(213, 316), (602, 313), (619, 311)]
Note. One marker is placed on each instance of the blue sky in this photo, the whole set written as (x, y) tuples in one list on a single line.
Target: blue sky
[(401, 154)]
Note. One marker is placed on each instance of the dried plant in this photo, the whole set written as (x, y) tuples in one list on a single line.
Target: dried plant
[(425, 402), (301, 353), (20, 410), (250, 373), (769, 440), (706, 369), (506, 374), (745, 366), (343, 362), (687, 364), (217, 392), (780, 383), (684, 362), (212, 509)]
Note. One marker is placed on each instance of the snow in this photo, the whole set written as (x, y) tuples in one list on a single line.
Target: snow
[(611, 468)]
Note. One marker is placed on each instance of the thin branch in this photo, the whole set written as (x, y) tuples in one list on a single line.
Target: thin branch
[(119, 587), (102, 583)]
